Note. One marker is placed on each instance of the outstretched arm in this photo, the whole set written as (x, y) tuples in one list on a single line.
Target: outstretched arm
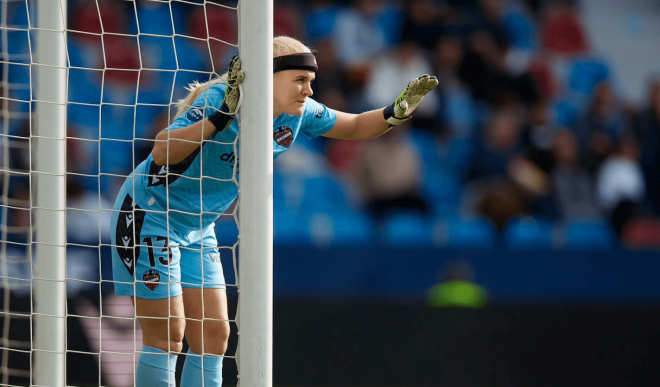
[(376, 122)]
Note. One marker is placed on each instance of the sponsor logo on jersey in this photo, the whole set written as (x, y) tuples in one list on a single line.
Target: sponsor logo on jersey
[(215, 257), (319, 113), (228, 157), (195, 114), (151, 278), (283, 135)]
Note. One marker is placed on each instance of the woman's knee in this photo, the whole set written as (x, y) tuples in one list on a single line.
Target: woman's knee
[(215, 337), (162, 322), (159, 334)]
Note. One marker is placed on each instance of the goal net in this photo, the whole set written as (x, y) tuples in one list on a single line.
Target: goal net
[(84, 88)]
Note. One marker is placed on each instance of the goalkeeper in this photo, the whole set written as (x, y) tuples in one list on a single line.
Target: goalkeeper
[(165, 253)]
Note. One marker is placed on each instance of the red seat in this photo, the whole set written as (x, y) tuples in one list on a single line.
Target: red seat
[(642, 233)]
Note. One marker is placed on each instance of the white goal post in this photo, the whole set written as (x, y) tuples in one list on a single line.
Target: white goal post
[(255, 284), (49, 180)]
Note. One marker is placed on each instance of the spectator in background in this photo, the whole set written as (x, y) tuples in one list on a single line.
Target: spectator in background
[(329, 85), (486, 70), (457, 111), (503, 183), (574, 188), (422, 22), (501, 143), (390, 73), (538, 135), (457, 289), (601, 127), (389, 176), (561, 29), (620, 184), (648, 132), (489, 191), (489, 19), (358, 36), (519, 26), (320, 19)]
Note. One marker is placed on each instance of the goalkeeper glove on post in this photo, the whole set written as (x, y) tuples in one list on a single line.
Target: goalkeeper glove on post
[(401, 110), (225, 116)]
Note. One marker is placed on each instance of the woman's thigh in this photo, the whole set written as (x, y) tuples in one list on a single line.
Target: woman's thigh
[(145, 253), (207, 317), (162, 322)]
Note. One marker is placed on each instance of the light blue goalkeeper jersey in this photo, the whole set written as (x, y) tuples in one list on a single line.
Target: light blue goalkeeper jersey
[(199, 189)]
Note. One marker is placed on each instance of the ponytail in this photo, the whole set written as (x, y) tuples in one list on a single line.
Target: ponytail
[(282, 45)]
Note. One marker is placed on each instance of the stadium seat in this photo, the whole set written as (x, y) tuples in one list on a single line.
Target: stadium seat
[(470, 233), (410, 229), (586, 73), (520, 28), (341, 228), (157, 19), (321, 22), (459, 155), (529, 233), (323, 193), (442, 191), (585, 234), (642, 233), (291, 228), (425, 143), (566, 113)]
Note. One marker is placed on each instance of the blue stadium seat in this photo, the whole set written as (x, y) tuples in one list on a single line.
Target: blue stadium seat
[(459, 155), (470, 233), (520, 28), (442, 191), (529, 233), (589, 234), (323, 194), (341, 228), (566, 112), (407, 228), (425, 143), (157, 19), (291, 228), (586, 73), (321, 22)]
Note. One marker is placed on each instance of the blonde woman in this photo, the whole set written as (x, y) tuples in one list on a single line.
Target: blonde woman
[(168, 261)]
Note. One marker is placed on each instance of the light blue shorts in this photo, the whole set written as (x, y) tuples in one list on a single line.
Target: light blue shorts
[(153, 262)]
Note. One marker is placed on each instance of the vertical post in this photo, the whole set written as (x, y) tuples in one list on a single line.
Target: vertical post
[(48, 178), (256, 195)]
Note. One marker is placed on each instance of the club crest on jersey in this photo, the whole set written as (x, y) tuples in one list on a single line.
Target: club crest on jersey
[(151, 278), (195, 114), (283, 135), (319, 113)]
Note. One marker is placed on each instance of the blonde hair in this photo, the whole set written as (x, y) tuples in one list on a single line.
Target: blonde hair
[(282, 45)]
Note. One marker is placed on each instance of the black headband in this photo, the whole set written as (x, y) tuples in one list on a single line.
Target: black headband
[(306, 61)]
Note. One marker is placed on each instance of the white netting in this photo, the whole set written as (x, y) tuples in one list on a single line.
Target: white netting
[(127, 65)]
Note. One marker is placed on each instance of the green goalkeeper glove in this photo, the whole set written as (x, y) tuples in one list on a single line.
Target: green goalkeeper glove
[(225, 116), (401, 110)]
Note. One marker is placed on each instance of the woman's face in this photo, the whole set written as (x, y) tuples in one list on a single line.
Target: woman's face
[(290, 91)]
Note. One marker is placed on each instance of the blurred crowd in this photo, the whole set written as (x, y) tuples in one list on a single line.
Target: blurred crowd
[(526, 140)]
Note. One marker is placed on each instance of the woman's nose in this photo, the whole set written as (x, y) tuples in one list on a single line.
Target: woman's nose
[(307, 90)]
